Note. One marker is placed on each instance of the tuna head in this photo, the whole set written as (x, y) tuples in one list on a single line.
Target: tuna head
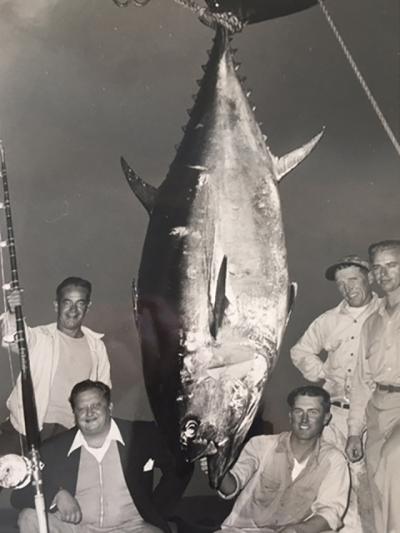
[(213, 294)]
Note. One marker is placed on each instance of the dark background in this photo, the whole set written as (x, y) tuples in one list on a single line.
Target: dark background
[(83, 82)]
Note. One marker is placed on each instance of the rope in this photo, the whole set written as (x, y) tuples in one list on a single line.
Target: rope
[(10, 355), (360, 78)]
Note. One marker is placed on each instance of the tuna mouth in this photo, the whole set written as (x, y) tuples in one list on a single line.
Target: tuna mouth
[(193, 446)]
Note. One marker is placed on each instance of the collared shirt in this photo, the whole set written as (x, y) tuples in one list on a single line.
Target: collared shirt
[(99, 453), (337, 331), (44, 353), (101, 489), (270, 498), (378, 362)]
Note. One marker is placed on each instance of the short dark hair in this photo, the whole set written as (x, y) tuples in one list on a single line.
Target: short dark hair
[(73, 281), (86, 385), (382, 245), (310, 390)]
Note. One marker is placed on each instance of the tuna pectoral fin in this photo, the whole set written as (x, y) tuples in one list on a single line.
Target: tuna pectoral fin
[(145, 193), (291, 299), (135, 301), (221, 302), (288, 162)]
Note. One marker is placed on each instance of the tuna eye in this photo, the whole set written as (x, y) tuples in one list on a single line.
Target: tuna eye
[(189, 431)]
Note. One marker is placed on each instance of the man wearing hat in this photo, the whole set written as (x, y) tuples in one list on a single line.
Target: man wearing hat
[(337, 333)]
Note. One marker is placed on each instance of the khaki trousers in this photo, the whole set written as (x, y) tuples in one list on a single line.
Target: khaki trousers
[(383, 459)]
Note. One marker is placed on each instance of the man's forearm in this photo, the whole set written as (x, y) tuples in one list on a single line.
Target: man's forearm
[(315, 524), (308, 362)]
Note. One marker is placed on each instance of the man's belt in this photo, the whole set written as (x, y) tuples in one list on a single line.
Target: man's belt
[(388, 388), (343, 405)]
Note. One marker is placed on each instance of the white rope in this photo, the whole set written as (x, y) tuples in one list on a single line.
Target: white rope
[(360, 78)]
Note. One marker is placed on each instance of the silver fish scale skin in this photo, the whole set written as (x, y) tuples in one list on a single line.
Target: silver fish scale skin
[(213, 281)]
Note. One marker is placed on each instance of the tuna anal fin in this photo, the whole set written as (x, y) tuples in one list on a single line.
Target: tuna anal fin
[(145, 193), (221, 301), (288, 162)]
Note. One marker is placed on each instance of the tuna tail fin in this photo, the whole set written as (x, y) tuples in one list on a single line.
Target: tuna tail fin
[(250, 11), (288, 162), (145, 193), (221, 301)]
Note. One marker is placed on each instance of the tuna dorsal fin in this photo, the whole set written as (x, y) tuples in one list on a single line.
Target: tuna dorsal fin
[(145, 193), (288, 162), (221, 301)]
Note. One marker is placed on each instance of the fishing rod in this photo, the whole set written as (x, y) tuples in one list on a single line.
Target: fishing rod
[(28, 394)]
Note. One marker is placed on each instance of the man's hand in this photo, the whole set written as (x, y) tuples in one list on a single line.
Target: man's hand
[(68, 509), (14, 298), (204, 465), (354, 448)]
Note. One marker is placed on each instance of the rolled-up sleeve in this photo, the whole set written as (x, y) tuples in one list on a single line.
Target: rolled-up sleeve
[(9, 332), (248, 461), (8, 329), (305, 353), (332, 497)]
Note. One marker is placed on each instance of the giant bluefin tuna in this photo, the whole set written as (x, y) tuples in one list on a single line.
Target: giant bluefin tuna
[(213, 296)]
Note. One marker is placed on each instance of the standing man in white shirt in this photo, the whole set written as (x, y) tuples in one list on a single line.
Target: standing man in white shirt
[(337, 332), (60, 354), (375, 395)]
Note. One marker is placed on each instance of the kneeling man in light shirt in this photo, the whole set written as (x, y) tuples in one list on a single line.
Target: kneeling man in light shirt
[(294, 482)]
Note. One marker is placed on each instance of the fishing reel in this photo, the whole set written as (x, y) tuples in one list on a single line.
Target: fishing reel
[(15, 471)]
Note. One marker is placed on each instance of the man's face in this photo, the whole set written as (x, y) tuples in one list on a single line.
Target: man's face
[(92, 413), (71, 308), (386, 269), (353, 283), (308, 417)]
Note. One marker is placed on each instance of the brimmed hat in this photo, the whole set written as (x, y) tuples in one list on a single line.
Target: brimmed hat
[(348, 260)]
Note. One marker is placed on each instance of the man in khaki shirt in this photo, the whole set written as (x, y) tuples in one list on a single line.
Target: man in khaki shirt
[(337, 332), (375, 395), (293, 482)]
